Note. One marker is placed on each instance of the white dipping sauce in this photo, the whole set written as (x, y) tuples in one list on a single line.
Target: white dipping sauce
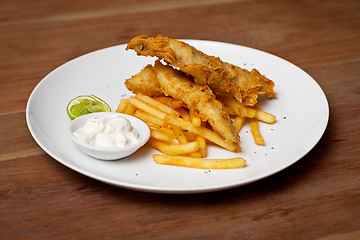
[(107, 132)]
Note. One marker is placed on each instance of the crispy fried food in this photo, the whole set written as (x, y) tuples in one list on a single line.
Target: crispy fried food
[(199, 99), (254, 126), (203, 132), (157, 104), (171, 102), (238, 123), (122, 105), (200, 163), (174, 149), (145, 82), (223, 78)]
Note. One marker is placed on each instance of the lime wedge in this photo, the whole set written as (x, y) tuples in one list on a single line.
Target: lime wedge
[(86, 104)]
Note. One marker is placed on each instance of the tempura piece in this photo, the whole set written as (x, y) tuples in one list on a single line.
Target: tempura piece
[(199, 99), (145, 82), (223, 78)]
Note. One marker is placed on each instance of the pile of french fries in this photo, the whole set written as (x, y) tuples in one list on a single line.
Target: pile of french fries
[(183, 137)]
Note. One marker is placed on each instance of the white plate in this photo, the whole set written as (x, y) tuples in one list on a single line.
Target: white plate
[(301, 108)]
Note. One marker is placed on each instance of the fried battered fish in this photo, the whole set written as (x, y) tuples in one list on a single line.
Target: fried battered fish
[(145, 82), (223, 78), (160, 79)]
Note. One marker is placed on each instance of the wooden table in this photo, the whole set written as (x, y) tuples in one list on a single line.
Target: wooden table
[(316, 198)]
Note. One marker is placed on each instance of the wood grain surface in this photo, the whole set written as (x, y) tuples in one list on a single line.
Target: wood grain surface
[(316, 198)]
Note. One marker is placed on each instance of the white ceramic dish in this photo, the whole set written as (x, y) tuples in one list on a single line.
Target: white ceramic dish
[(110, 153), (301, 108)]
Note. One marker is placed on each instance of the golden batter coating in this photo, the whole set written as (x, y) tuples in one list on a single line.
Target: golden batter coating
[(223, 78), (198, 98)]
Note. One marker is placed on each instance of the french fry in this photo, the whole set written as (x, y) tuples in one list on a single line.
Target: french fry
[(171, 102), (179, 134), (122, 105), (156, 104), (146, 108), (230, 111), (233, 106), (237, 124), (181, 137), (265, 117), (165, 130), (203, 163), (130, 109), (194, 155), (149, 118), (202, 144), (203, 132), (236, 108), (248, 112), (254, 127), (191, 137), (162, 136), (196, 120), (174, 149)]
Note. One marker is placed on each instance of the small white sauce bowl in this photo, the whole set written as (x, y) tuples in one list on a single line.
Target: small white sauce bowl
[(110, 153)]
